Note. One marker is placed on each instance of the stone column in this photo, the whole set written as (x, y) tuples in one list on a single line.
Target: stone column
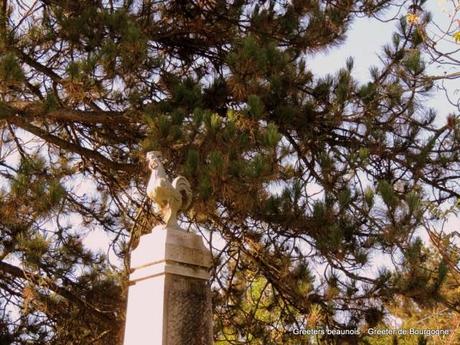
[(169, 299)]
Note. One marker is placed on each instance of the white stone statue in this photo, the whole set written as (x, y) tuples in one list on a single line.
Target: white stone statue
[(169, 197)]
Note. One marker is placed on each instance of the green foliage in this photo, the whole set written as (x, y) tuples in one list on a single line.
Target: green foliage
[(51, 103), (74, 70), (5, 111), (205, 188), (368, 92), (193, 158), (34, 249), (272, 135), (306, 180), (214, 122), (32, 182), (344, 197), (413, 202), (387, 193), (10, 70), (216, 163), (256, 106), (55, 192), (413, 61), (369, 196)]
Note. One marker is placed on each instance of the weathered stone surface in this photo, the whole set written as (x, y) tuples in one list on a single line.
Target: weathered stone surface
[(171, 244), (188, 311), (169, 300)]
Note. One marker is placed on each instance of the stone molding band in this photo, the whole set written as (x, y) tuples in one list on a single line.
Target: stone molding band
[(167, 266)]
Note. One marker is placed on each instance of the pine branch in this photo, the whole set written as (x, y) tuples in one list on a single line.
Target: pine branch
[(32, 110), (82, 151), (41, 281)]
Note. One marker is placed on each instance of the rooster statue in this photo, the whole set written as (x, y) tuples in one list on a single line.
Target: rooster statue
[(170, 197)]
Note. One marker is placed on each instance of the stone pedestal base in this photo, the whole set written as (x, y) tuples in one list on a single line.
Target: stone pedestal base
[(169, 300)]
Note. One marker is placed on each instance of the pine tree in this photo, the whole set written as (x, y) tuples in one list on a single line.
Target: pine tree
[(423, 313), (306, 178)]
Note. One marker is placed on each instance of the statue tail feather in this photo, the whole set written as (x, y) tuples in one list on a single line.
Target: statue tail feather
[(182, 185)]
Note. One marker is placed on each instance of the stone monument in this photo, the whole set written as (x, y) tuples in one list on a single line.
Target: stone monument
[(169, 300)]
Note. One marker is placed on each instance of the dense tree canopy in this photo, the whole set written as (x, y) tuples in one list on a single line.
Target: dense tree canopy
[(317, 188)]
